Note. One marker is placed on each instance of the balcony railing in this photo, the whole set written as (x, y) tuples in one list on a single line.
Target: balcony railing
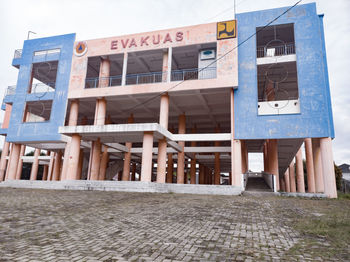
[(147, 78), (18, 53), (11, 90), (193, 74), (152, 77), (278, 50)]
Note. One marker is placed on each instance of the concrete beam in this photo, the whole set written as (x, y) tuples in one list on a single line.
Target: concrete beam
[(202, 137)]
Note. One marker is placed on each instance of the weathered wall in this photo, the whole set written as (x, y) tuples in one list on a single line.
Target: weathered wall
[(315, 119), (41, 131)]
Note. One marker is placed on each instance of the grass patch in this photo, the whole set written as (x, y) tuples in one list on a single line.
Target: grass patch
[(343, 196)]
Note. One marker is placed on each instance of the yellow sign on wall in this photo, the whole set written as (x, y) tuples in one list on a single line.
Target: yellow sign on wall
[(226, 29)]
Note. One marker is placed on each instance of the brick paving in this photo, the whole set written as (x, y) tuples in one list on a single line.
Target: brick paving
[(53, 225)]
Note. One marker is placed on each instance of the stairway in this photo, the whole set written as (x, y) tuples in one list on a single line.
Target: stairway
[(257, 184)]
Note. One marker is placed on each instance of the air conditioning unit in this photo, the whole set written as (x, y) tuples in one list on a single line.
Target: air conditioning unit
[(208, 54)]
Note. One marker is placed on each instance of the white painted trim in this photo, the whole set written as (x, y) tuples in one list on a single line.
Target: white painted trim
[(276, 59), (202, 137)]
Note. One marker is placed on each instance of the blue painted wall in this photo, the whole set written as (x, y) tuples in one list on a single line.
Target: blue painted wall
[(315, 119), (41, 131)]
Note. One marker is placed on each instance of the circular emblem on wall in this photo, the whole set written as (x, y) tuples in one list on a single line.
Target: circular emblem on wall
[(80, 49)]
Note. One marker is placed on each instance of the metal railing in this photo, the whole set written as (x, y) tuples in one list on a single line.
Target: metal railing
[(94, 82), (193, 74), (277, 50), (152, 77), (43, 87), (144, 78), (11, 90)]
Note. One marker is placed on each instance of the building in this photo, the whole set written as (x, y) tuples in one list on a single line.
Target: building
[(179, 106)]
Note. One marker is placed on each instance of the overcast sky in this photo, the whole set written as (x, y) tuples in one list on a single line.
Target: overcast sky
[(102, 18)]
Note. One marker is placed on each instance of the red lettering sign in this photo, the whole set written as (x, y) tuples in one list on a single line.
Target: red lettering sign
[(143, 41)]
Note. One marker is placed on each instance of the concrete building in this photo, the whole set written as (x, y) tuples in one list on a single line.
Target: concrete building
[(182, 105)]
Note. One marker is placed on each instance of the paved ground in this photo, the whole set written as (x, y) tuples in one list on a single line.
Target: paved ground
[(44, 225)]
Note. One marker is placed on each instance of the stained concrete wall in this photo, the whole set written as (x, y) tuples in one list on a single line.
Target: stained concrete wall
[(315, 119)]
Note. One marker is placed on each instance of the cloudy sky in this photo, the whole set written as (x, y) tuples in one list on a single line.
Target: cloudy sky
[(102, 18)]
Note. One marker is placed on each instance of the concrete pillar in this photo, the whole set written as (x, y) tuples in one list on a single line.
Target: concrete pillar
[(9, 162), (266, 162), (133, 172), (316, 154), (293, 187), (63, 173), (51, 164), (73, 158), (80, 165), (300, 172), (45, 172), (127, 156), (230, 178), (104, 164), (330, 187), (95, 160), (73, 113), (201, 174), (170, 168), (100, 112), (244, 157), (104, 73), (146, 165), (35, 165), (193, 161), (162, 143), (3, 161), (181, 155), (217, 161), (57, 166), (311, 187), (12, 170), (236, 155), (286, 180), (125, 68), (20, 163), (282, 184), (273, 160)]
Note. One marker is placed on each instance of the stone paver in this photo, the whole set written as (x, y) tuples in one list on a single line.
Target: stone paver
[(52, 225)]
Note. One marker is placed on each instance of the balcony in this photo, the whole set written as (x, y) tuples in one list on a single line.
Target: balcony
[(152, 77), (277, 50), (43, 87)]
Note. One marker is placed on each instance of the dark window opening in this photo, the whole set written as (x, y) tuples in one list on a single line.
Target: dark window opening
[(43, 77), (37, 111), (275, 40)]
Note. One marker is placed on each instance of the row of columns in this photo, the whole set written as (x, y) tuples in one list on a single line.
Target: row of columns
[(319, 168)]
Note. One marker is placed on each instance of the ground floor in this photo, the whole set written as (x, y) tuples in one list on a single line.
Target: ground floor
[(178, 138), (56, 225)]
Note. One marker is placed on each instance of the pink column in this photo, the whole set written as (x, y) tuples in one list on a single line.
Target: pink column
[(73, 158), (45, 172), (57, 166), (170, 168), (201, 174), (20, 163), (80, 165), (3, 161), (273, 160), (133, 172), (330, 187), (16, 148), (104, 163), (162, 143), (236, 154), (286, 180), (311, 188), (52, 161), (63, 172), (181, 155), (35, 165), (300, 172), (127, 155), (316, 153), (9, 161), (104, 73), (193, 161), (217, 161), (147, 148), (293, 187), (282, 184), (100, 116), (266, 162)]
